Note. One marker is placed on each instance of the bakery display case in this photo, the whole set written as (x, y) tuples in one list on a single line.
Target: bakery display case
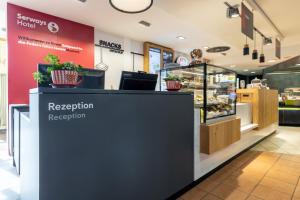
[(213, 88)]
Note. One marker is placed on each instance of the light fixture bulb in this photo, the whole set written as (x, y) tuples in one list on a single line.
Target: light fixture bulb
[(131, 6)]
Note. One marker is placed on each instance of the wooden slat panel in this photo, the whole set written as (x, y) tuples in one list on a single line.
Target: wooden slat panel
[(214, 137), (264, 105)]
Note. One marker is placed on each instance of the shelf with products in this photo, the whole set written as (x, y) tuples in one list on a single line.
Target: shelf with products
[(213, 88)]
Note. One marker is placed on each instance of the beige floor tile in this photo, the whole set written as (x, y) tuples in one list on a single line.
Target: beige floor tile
[(286, 177), (283, 168), (249, 175), (207, 185), (268, 193), (297, 192), (229, 192), (210, 197), (278, 185), (251, 197), (295, 158), (194, 194), (289, 163), (242, 183)]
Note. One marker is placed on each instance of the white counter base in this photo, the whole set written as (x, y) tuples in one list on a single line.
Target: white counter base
[(248, 127)]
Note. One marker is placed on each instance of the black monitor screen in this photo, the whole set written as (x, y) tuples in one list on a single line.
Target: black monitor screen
[(138, 81), (91, 78)]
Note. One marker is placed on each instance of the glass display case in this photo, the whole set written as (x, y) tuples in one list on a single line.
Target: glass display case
[(213, 88)]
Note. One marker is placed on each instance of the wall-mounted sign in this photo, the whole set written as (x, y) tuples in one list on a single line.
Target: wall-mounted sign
[(31, 35), (182, 61), (247, 21), (277, 48), (112, 46)]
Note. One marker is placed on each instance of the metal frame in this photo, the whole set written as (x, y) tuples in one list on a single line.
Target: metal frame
[(204, 65)]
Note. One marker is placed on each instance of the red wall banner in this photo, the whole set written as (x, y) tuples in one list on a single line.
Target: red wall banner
[(31, 36)]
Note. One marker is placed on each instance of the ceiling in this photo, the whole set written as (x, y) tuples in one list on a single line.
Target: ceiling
[(202, 22)]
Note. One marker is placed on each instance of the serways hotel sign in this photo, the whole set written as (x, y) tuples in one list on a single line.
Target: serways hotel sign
[(31, 35), (34, 23)]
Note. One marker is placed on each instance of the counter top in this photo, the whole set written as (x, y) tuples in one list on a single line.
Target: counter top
[(45, 90)]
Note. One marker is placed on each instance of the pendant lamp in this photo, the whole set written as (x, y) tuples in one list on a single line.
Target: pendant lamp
[(262, 56), (131, 6), (254, 53), (246, 50)]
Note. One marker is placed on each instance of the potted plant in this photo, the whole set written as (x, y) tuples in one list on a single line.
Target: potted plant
[(173, 82), (60, 74)]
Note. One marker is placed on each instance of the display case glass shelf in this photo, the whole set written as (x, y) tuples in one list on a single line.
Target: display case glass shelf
[(213, 88)]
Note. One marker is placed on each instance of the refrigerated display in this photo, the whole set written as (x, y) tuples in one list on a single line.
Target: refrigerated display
[(213, 88)]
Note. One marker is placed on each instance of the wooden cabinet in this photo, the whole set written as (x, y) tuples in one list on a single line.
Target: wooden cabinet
[(264, 105), (214, 137)]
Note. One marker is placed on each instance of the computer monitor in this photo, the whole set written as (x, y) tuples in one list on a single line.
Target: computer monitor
[(138, 81), (91, 78)]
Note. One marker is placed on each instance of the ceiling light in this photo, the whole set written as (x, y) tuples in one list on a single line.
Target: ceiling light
[(131, 6), (267, 41), (272, 61), (232, 11), (298, 64), (252, 72), (245, 70), (180, 37), (232, 66)]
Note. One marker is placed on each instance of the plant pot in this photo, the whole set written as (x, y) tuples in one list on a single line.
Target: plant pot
[(173, 85), (65, 78)]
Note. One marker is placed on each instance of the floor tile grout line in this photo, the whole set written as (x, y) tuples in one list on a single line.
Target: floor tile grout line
[(246, 161), (296, 186), (265, 175)]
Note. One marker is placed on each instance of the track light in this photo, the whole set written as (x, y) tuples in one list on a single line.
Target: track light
[(232, 11), (267, 41)]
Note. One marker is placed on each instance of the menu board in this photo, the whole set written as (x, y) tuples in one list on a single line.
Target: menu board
[(247, 21), (154, 60), (277, 48), (167, 57)]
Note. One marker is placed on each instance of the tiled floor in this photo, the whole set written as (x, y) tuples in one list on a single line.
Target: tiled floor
[(287, 141), (9, 181), (271, 171)]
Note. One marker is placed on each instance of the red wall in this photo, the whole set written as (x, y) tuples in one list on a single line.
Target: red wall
[(25, 54)]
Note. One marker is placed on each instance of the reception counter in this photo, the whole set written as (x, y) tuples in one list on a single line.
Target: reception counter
[(96, 144)]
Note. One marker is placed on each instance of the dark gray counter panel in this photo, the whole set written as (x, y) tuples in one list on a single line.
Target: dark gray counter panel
[(129, 145), (16, 134)]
